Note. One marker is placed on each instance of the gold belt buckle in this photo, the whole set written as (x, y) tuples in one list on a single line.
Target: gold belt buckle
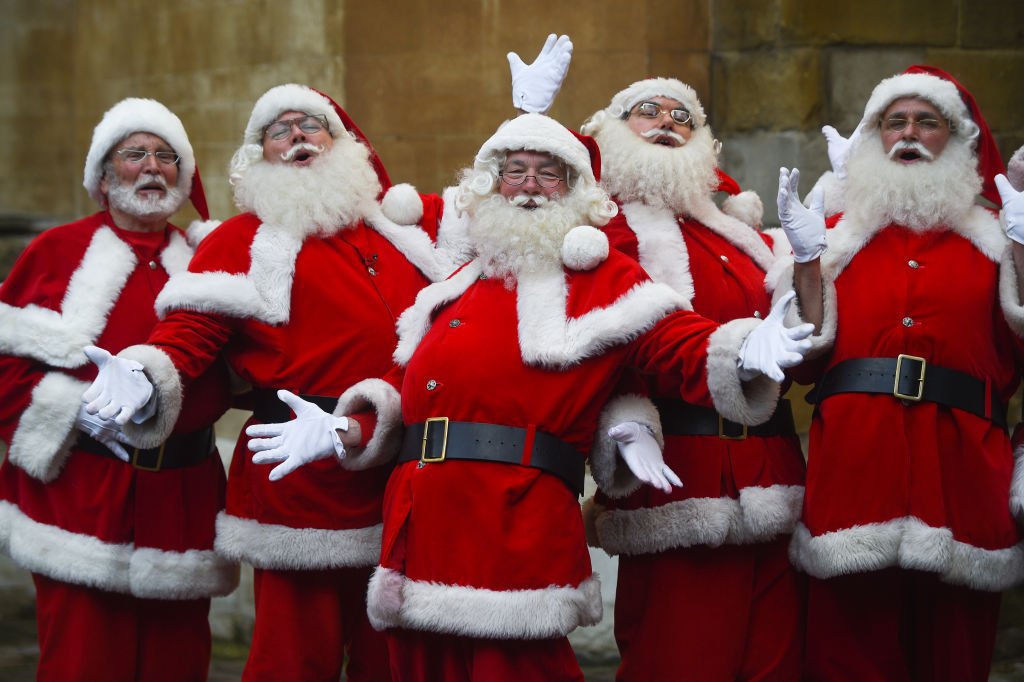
[(444, 441), (159, 458), (920, 380), (725, 436)]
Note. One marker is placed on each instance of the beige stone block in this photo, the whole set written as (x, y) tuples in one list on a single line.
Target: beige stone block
[(867, 22), (675, 26), (744, 24), (851, 75), (988, 75), (992, 24), (778, 91)]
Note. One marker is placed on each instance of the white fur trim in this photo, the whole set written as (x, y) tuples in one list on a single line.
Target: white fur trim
[(908, 543), (402, 204), (396, 601), (130, 116), (198, 230), (48, 426), (612, 475), (7, 514), (661, 249), (142, 572), (57, 338), (751, 402), (940, 92), (584, 248), (647, 89), (177, 254), (289, 97), (162, 373), (759, 515), (1017, 484), (383, 447), (835, 196), (1009, 293), (277, 547), (745, 207), (415, 244), (415, 321), (538, 133), (453, 230), (738, 233)]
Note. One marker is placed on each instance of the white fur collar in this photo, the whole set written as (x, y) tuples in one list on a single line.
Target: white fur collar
[(547, 336)]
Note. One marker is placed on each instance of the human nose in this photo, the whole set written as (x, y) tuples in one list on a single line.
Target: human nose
[(150, 164), (530, 184)]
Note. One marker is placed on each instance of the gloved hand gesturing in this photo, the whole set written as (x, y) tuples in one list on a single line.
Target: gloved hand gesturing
[(106, 431), (535, 85), (120, 391), (312, 435), (1013, 209), (642, 455), (804, 227), (772, 347), (838, 149)]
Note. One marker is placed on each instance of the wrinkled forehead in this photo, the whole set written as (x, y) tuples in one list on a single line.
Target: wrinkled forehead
[(143, 140), (525, 158), (912, 106)]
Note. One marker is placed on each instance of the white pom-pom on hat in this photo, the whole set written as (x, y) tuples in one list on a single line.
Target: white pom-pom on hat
[(745, 207), (402, 204), (584, 248)]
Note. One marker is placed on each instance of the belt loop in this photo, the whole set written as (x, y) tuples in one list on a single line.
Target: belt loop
[(531, 436)]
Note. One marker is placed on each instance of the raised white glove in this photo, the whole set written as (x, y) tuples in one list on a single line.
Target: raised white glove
[(642, 455), (1013, 209), (120, 391), (838, 149), (804, 227), (535, 85), (106, 431), (772, 347), (312, 435)]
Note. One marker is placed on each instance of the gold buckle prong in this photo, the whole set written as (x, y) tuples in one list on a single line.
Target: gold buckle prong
[(722, 434), (444, 441), (920, 380), (159, 458)]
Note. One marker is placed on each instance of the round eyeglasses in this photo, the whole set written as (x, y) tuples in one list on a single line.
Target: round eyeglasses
[(278, 130), (516, 178), (653, 110), (925, 124), (137, 156)]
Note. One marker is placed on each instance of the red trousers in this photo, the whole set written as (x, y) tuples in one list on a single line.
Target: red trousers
[(432, 657), (306, 624), (895, 626), (87, 634), (710, 614)]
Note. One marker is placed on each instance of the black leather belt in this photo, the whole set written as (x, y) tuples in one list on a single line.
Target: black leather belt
[(180, 450), (912, 379), (439, 439), (679, 418), (269, 409)]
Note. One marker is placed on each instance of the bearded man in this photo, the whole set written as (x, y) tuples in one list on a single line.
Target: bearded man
[(301, 294), (908, 528), (119, 539), (705, 587)]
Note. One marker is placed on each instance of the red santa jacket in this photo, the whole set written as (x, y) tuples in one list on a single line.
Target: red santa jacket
[(493, 550), (73, 515), (310, 311), (736, 491), (915, 485)]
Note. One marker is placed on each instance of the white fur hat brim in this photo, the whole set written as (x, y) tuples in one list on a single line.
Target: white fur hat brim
[(539, 133), (289, 97), (650, 88), (940, 92), (130, 116)]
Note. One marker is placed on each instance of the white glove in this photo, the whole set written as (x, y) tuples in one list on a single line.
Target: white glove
[(106, 431), (312, 435), (838, 150), (120, 391), (535, 85), (642, 455), (1013, 209), (804, 227), (772, 347)]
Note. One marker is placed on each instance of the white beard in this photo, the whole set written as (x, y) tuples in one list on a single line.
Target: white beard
[(338, 189), (920, 196), (511, 241), (122, 197), (632, 169)]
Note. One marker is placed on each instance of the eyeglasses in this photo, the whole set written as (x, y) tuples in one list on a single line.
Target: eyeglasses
[(652, 110), (278, 130), (925, 124), (544, 179), (137, 156)]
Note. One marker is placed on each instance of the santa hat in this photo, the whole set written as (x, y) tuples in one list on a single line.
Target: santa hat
[(954, 101), (134, 115), (538, 133), (746, 206), (648, 89), (294, 97)]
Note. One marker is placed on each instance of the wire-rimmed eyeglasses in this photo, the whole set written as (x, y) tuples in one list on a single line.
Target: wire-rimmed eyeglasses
[(544, 178), (309, 124), (137, 156), (679, 115)]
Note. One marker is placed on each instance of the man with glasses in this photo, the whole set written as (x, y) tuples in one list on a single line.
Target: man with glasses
[(301, 293), (119, 539), (908, 529), (705, 587)]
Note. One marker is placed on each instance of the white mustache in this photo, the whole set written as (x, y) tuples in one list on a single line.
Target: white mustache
[(907, 145), (315, 149), (149, 179), (660, 132), (522, 199)]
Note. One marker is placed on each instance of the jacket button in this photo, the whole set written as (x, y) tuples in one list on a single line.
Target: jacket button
[(454, 323), (152, 265), (914, 264), (908, 322), (431, 385)]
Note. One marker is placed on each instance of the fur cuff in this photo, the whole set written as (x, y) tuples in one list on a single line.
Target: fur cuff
[(751, 402), (167, 384), (612, 475), (276, 547), (47, 428), (380, 396), (745, 207), (402, 205)]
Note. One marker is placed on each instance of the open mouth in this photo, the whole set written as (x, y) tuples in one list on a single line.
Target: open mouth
[(150, 188), (908, 156), (665, 141), (303, 157)]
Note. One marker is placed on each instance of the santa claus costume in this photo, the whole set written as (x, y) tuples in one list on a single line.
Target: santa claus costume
[(705, 587), (907, 531), (504, 368), (121, 552), (300, 292)]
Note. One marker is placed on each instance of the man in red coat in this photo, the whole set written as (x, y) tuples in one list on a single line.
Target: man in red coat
[(705, 587), (119, 539), (908, 528), (301, 293), (504, 368)]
